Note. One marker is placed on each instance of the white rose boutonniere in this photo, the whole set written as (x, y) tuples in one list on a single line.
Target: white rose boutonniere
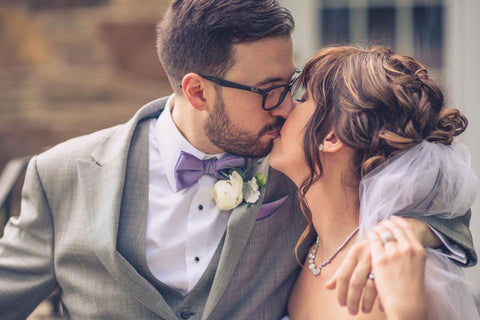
[(228, 194), (232, 191)]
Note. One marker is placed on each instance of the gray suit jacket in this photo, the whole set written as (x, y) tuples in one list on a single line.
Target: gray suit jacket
[(82, 228)]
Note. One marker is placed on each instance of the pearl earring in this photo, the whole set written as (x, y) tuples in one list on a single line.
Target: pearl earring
[(320, 147)]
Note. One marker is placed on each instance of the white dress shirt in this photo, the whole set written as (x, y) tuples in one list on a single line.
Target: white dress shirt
[(183, 227)]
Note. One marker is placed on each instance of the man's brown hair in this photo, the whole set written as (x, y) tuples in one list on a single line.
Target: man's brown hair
[(197, 35)]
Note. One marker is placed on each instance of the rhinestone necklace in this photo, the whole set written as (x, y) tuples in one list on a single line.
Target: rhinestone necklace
[(313, 252)]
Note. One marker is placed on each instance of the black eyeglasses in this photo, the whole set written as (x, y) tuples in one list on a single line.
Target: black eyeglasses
[(272, 97)]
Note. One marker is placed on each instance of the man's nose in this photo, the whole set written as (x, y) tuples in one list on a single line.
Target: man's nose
[(284, 109)]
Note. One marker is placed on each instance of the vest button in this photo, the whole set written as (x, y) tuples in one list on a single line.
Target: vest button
[(186, 314)]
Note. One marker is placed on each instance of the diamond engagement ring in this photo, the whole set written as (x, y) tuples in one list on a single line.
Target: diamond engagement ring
[(387, 236), (371, 276)]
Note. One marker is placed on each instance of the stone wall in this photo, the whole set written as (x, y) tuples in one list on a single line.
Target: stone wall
[(70, 67), (73, 68)]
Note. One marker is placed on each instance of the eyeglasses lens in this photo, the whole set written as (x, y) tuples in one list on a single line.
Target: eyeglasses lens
[(275, 97)]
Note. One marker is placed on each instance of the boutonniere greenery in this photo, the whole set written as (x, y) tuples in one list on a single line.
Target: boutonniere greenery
[(237, 186)]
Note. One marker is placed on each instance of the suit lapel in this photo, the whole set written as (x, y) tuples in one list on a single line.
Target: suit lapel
[(239, 227), (102, 185)]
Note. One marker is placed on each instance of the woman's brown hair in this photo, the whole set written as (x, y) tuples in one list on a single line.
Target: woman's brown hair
[(378, 103)]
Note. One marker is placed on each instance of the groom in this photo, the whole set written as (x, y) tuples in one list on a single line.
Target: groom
[(118, 221)]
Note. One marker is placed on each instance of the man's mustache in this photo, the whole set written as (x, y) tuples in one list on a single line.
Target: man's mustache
[(277, 125)]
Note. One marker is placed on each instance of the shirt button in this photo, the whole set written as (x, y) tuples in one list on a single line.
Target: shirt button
[(200, 207), (186, 314), (197, 259)]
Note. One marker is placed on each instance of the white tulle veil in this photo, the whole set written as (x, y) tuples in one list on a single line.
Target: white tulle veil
[(428, 179)]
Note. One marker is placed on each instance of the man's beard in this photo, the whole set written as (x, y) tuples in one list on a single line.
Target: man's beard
[(232, 139)]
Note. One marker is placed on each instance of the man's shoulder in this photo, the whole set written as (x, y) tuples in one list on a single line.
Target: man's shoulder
[(81, 148), (78, 147)]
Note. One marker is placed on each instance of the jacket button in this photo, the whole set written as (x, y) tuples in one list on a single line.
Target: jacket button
[(186, 314)]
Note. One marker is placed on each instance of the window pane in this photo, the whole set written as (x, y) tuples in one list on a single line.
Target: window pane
[(335, 26), (428, 26), (381, 26)]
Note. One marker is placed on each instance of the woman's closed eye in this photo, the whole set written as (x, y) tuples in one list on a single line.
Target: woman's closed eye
[(303, 98)]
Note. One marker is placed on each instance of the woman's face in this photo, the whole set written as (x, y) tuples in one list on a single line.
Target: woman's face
[(287, 154)]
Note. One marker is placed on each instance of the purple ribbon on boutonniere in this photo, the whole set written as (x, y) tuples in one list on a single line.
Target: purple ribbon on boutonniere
[(267, 209)]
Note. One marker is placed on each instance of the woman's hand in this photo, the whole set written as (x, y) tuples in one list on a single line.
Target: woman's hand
[(350, 281), (398, 265)]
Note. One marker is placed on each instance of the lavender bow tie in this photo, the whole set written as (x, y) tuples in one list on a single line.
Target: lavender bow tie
[(189, 168)]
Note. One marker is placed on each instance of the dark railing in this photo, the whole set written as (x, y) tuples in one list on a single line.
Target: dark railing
[(8, 179)]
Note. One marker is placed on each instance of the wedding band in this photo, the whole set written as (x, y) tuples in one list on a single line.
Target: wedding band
[(371, 276), (387, 236)]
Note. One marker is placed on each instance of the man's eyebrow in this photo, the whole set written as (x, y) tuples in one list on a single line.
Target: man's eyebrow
[(273, 79), (267, 81)]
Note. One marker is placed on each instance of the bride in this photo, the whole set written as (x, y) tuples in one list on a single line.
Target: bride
[(370, 139)]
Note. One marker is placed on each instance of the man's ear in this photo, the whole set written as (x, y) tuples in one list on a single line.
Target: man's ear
[(332, 143), (193, 87)]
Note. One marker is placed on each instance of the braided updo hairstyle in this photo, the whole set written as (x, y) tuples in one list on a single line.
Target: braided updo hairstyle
[(378, 103)]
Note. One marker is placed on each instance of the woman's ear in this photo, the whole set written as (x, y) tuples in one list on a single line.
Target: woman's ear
[(332, 143), (193, 87)]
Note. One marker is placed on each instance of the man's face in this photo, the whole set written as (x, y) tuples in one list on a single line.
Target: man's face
[(237, 123)]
